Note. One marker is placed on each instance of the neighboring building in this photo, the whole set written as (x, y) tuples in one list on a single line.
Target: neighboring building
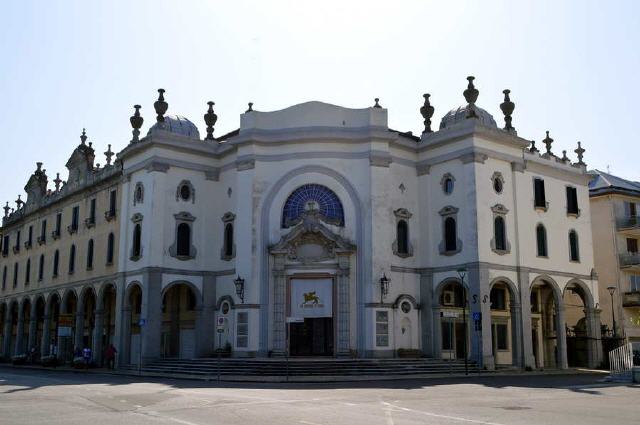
[(615, 223), (324, 215)]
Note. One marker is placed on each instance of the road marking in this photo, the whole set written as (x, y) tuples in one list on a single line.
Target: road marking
[(435, 415)]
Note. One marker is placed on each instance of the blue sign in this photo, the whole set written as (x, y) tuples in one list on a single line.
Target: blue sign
[(477, 316), (142, 322)]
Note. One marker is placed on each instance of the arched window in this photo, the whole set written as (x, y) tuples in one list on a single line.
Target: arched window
[(15, 275), (402, 236), (56, 263), (541, 239), (499, 234), (41, 268), (184, 240), (27, 272), (72, 259), (4, 278), (110, 246), (313, 197), (450, 237), (136, 249), (228, 240), (90, 254), (574, 250)]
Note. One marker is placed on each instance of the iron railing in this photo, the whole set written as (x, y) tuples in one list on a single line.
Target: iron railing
[(628, 222), (630, 259)]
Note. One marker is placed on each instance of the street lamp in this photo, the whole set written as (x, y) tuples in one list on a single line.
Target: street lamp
[(239, 282), (384, 287), (462, 273), (611, 290)]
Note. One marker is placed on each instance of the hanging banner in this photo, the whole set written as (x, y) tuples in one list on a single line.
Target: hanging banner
[(311, 297)]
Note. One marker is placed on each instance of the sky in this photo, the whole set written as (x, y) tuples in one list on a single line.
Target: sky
[(572, 67)]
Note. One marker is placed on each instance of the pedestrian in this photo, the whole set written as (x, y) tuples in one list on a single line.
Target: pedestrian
[(32, 355), (86, 355), (110, 356), (53, 352)]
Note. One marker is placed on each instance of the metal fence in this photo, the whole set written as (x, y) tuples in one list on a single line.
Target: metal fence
[(621, 362)]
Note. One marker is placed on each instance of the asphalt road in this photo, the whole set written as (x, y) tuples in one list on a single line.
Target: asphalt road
[(50, 397)]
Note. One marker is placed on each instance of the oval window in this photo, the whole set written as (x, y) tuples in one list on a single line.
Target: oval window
[(405, 306), (497, 185), (225, 308), (185, 192)]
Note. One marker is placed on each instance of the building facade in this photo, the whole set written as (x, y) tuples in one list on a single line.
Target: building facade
[(317, 230), (615, 223)]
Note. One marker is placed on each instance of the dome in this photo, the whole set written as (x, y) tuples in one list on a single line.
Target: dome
[(459, 115), (177, 125)]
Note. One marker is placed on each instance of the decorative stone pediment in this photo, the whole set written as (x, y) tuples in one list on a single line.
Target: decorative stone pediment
[(310, 241)]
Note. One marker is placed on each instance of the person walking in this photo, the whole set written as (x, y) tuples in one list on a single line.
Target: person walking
[(110, 356), (53, 352), (86, 355)]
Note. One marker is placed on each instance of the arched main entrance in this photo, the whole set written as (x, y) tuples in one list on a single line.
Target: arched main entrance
[(579, 327), (22, 340), (178, 338), (108, 308), (88, 318), (546, 324), (39, 325), (13, 320), (454, 337), (134, 305), (67, 341), (3, 330), (505, 314)]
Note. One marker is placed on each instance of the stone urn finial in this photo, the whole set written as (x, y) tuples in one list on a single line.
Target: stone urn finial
[(160, 106), (547, 142), (507, 109), (471, 93), (83, 137), (57, 182), (210, 119), (6, 209), (38, 166), (580, 152), (108, 154), (377, 105), (136, 121), (250, 109), (427, 112), (564, 158), (533, 148), (19, 202)]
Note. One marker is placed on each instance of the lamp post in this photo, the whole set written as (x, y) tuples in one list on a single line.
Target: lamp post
[(384, 287), (611, 290), (239, 282), (462, 273)]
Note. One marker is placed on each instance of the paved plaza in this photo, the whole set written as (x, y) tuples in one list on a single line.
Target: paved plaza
[(55, 397)]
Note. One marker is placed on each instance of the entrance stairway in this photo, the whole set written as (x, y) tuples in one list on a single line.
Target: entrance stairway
[(298, 369)]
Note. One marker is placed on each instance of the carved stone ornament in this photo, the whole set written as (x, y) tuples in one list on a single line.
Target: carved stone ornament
[(228, 217), (402, 213), (310, 241), (499, 209), (448, 210), (427, 113)]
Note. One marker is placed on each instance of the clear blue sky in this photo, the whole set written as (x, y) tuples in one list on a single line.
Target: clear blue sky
[(572, 67)]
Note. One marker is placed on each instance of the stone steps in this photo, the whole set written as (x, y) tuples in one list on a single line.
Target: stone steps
[(301, 367)]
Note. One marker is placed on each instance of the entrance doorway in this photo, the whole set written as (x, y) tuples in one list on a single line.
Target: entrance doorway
[(313, 337)]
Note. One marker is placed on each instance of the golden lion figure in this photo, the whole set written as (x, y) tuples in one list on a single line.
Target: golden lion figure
[(311, 297)]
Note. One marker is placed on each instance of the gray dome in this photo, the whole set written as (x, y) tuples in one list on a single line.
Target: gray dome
[(177, 125), (459, 115)]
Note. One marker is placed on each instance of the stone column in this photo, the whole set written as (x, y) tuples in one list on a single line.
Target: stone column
[(561, 332), (78, 332), (436, 341), (20, 330), (516, 332), (8, 327), (525, 317), (592, 316), (205, 320), (122, 320), (152, 313), (46, 331), (344, 306), (96, 340), (482, 347), (426, 314), (33, 328), (279, 306)]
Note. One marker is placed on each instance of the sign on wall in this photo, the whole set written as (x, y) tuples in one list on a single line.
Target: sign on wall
[(311, 297)]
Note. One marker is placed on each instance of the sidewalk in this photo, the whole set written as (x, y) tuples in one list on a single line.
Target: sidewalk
[(310, 379)]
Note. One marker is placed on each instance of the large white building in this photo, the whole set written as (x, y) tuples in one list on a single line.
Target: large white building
[(318, 230)]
